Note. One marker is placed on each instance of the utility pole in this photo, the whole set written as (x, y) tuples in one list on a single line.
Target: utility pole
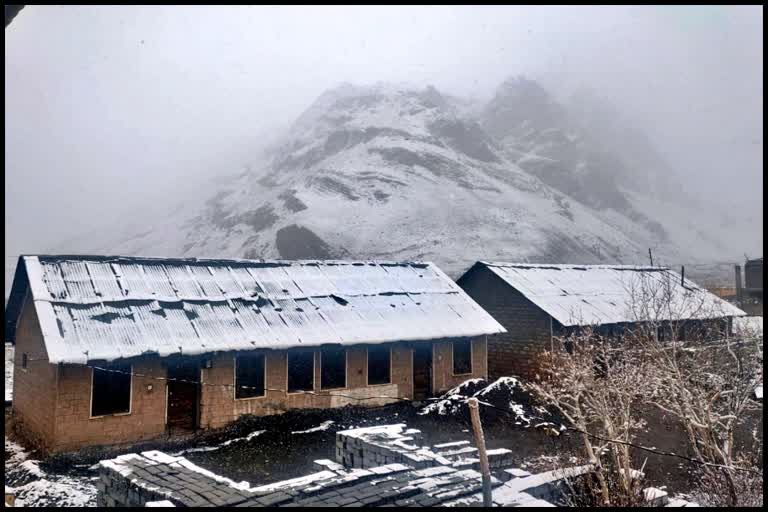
[(477, 427), (650, 256)]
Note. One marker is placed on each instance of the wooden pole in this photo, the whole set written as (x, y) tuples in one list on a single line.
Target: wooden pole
[(485, 470), (650, 255)]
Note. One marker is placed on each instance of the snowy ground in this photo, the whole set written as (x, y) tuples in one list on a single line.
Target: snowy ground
[(35, 487)]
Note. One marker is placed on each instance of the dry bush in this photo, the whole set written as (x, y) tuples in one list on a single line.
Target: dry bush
[(704, 376), (595, 389), (678, 353)]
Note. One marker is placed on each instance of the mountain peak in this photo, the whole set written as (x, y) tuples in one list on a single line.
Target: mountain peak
[(397, 171)]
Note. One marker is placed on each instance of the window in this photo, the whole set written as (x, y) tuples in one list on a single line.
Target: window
[(111, 390), (301, 370), (462, 357), (24, 360), (379, 360), (249, 376), (333, 368)]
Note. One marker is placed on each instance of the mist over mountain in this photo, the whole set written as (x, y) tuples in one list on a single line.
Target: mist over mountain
[(397, 172), (172, 129)]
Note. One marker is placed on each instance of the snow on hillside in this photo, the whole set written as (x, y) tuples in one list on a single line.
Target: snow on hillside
[(391, 172), (397, 173)]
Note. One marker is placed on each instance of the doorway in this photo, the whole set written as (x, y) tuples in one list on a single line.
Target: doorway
[(183, 398), (422, 371)]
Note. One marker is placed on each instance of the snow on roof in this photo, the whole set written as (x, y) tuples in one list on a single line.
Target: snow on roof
[(111, 307), (600, 294)]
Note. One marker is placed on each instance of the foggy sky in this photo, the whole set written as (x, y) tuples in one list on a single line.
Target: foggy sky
[(109, 108)]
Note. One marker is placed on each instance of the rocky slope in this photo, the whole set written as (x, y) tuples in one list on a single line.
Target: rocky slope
[(391, 172)]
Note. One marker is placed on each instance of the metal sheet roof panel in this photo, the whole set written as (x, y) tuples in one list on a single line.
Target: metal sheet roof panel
[(607, 294), (95, 308)]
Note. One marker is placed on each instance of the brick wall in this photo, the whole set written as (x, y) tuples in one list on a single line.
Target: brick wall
[(444, 379), (218, 406), (52, 402), (34, 388), (528, 327), (146, 420)]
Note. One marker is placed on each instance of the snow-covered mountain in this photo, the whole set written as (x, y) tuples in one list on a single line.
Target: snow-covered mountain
[(393, 172)]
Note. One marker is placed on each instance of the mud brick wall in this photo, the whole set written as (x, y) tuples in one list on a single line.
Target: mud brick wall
[(528, 327), (74, 426), (52, 403), (444, 379), (34, 388), (219, 406)]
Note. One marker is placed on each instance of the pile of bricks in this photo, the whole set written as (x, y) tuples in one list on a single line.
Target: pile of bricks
[(389, 485), (390, 444), (368, 474), (133, 480), (142, 480)]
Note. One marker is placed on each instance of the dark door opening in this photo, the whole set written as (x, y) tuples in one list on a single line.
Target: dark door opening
[(422, 371), (183, 397)]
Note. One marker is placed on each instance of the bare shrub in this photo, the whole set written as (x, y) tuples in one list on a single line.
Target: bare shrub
[(595, 389), (705, 376), (679, 354)]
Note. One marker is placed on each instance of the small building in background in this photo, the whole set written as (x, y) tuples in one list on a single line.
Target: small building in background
[(750, 295), (539, 303), (113, 350)]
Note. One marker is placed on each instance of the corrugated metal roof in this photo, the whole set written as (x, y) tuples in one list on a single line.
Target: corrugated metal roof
[(602, 294), (97, 307)]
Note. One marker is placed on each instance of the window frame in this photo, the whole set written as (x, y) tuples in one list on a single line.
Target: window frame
[(367, 373), (453, 359), (346, 369), (234, 378), (288, 367), (130, 398)]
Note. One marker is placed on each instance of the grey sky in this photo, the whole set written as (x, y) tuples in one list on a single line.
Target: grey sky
[(108, 108)]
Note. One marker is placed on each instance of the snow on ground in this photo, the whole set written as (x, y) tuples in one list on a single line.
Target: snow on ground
[(748, 325), (500, 394), (323, 426), (452, 400), (36, 488), (250, 436), (8, 372)]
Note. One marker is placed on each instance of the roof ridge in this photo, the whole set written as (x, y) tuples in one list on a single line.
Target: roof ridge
[(174, 259), (574, 266)]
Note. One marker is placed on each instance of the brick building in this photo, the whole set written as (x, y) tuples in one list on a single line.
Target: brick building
[(538, 303), (96, 338)]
